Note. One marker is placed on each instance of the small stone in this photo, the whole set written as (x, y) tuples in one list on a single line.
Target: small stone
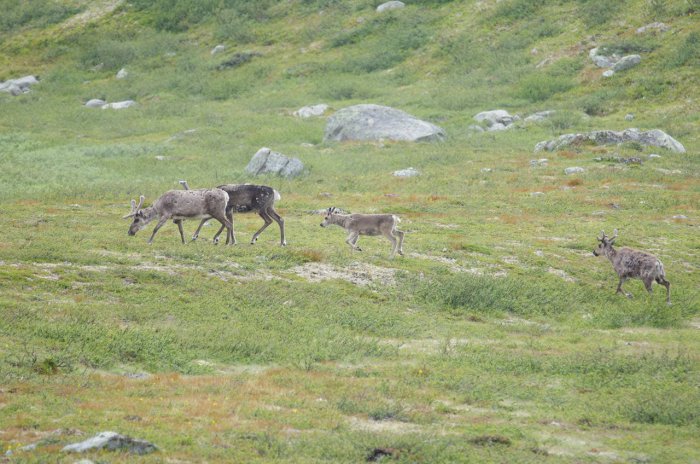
[(409, 172), (608, 73), (573, 170), (217, 49), (536, 194), (122, 74), (654, 156), (629, 117), (680, 216)]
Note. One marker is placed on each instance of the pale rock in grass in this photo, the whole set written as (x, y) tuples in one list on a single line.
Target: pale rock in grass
[(539, 162), (311, 111), (369, 122), (654, 156), (409, 172), (608, 73), (655, 137), (122, 74), (540, 116), (629, 117), (655, 26), (217, 49), (112, 441), (475, 128), (95, 103), (392, 5), (496, 120), (18, 86), (266, 161), (573, 170), (119, 105), (627, 62), (603, 61)]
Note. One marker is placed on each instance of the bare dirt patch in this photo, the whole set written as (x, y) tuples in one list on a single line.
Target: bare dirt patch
[(357, 273)]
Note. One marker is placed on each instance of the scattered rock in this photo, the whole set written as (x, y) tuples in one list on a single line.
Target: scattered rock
[(496, 119), (536, 194), (655, 27), (627, 62), (573, 170), (374, 122), (629, 117), (409, 172), (608, 73), (237, 60), (95, 103), (119, 105), (18, 86), (539, 116), (680, 216), (112, 441), (656, 137), (217, 49), (603, 61), (122, 74), (476, 128), (654, 156), (538, 162), (310, 111), (378, 454), (619, 159), (266, 161), (393, 5)]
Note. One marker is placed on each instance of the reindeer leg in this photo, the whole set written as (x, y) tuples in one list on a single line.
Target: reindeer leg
[(267, 220), (162, 221), (400, 234), (196, 232), (179, 227), (352, 240), (230, 237), (620, 290), (666, 284), (280, 222), (394, 244)]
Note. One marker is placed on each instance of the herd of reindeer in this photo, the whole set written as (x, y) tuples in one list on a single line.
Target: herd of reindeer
[(221, 202)]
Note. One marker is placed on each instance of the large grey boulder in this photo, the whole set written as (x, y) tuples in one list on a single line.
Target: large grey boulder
[(266, 161), (627, 62), (655, 137), (656, 26), (112, 441), (19, 85), (375, 122), (392, 5)]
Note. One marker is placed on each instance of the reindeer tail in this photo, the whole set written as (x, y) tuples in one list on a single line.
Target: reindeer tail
[(278, 197), (396, 218)]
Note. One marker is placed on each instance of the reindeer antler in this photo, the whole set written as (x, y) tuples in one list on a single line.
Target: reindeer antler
[(134, 209), (184, 184), (602, 236)]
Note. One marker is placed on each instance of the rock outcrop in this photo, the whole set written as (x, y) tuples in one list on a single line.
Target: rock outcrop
[(655, 138), (374, 122)]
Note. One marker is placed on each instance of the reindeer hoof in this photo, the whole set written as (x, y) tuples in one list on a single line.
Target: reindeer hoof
[(284, 243)]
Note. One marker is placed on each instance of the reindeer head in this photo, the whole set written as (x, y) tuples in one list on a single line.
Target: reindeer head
[(327, 219), (140, 218), (606, 243)]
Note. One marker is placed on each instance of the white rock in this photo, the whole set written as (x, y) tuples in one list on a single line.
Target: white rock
[(393, 5), (410, 172), (573, 170), (122, 73), (95, 103), (310, 111), (217, 49), (119, 105), (608, 73)]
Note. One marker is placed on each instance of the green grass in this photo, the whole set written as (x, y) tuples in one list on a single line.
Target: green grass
[(498, 337)]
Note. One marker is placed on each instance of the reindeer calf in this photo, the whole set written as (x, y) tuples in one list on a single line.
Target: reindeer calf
[(367, 224), (629, 263)]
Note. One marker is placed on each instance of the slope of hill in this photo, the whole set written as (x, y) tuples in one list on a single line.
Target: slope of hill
[(497, 338)]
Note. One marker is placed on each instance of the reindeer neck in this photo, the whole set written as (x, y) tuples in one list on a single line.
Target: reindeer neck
[(340, 220), (150, 213), (611, 253)]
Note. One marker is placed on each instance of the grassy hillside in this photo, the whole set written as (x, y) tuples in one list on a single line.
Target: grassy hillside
[(497, 338)]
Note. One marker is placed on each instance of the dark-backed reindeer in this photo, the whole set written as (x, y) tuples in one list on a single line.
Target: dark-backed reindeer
[(248, 198), (179, 205), (367, 224), (629, 264)]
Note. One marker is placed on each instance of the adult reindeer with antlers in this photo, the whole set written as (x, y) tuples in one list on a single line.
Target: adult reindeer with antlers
[(179, 205)]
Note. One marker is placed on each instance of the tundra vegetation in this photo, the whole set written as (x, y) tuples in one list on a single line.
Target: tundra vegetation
[(498, 337)]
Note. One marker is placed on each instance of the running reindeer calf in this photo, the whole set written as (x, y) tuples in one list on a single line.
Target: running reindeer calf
[(181, 204), (629, 263), (367, 224), (244, 198)]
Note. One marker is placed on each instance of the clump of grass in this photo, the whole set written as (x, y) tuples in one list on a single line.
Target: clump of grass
[(677, 405), (688, 53), (540, 87)]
